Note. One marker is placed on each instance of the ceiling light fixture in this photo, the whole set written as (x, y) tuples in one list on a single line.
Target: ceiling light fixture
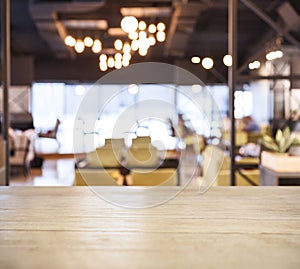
[(118, 44), (143, 51), (125, 63), (152, 28), (152, 40), (88, 41), (160, 36), (103, 58), (103, 66), (142, 34), (97, 47), (227, 60), (133, 35), (118, 64), (134, 45), (161, 26), (110, 62), (126, 48), (118, 56), (144, 43), (207, 63), (79, 46), (70, 41), (254, 65), (142, 25), (273, 55), (141, 37), (129, 24), (127, 57), (195, 60)]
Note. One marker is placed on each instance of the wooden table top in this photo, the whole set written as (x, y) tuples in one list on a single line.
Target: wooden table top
[(227, 227)]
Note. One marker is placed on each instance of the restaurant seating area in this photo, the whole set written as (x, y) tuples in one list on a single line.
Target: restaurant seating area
[(150, 134), (139, 165)]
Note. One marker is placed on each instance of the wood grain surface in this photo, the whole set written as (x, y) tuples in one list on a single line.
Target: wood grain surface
[(227, 227)]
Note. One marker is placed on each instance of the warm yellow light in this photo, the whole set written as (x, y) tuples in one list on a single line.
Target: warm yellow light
[(88, 41), (133, 35), (142, 34), (118, 44), (111, 62), (160, 36), (118, 56), (254, 65), (134, 45), (207, 63), (152, 28), (79, 46), (97, 47), (126, 48), (118, 64), (279, 54), (144, 43), (127, 57), (161, 26), (195, 60), (70, 41), (272, 55), (143, 51), (125, 63), (103, 58), (227, 60), (129, 24), (103, 66), (142, 25), (151, 40)]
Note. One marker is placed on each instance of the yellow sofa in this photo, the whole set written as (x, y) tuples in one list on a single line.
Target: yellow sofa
[(216, 164)]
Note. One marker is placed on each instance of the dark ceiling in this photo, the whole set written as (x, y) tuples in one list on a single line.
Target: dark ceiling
[(192, 27)]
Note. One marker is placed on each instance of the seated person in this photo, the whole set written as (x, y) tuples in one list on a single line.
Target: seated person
[(250, 125)]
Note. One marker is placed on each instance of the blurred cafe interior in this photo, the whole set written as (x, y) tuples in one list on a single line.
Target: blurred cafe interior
[(63, 52), (150, 133)]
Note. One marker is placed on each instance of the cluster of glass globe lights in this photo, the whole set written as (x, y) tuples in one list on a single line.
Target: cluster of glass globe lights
[(141, 38), (208, 63)]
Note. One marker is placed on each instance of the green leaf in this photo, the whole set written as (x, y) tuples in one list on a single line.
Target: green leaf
[(268, 138), (270, 144), (287, 132), (286, 145), (278, 136), (282, 144)]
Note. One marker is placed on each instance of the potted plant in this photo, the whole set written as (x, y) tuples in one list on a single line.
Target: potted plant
[(281, 143), (279, 159), (295, 147)]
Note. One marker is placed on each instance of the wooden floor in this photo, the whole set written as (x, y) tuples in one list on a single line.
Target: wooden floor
[(57, 169), (54, 172)]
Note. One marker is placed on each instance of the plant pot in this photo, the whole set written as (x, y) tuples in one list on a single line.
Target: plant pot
[(294, 150), (280, 162)]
